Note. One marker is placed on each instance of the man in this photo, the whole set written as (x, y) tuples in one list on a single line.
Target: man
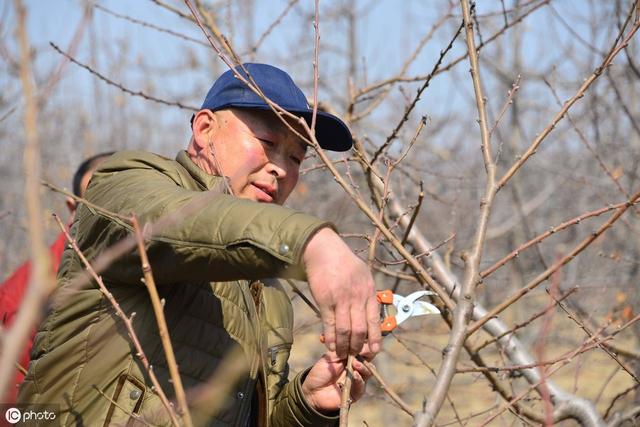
[(12, 290), (223, 234)]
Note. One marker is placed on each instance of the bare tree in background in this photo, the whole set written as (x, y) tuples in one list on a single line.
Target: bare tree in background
[(496, 163)]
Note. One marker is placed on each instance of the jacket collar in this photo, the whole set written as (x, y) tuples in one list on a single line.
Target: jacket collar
[(204, 180)]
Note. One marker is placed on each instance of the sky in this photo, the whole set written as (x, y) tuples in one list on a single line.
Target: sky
[(388, 31)]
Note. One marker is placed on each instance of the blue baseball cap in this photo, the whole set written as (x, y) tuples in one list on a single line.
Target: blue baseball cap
[(230, 92)]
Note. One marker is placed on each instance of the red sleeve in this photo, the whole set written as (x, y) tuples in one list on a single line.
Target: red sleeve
[(12, 290), (11, 293), (56, 250)]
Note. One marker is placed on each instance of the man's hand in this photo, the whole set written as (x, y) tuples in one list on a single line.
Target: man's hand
[(343, 287), (322, 388)]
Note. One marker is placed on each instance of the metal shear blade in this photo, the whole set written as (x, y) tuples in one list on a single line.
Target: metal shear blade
[(409, 306), (406, 307)]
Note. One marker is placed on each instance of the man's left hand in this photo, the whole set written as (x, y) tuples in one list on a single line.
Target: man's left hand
[(322, 387)]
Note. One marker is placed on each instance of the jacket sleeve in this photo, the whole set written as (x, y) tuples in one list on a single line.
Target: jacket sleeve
[(292, 409), (196, 235)]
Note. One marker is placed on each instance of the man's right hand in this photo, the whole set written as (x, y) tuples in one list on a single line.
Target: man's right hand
[(343, 288)]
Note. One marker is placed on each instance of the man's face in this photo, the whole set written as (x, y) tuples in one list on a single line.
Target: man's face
[(258, 154)]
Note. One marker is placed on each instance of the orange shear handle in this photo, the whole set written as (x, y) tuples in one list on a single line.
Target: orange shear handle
[(389, 323)]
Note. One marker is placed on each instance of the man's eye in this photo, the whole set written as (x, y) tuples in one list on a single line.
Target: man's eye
[(267, 142), (296, 160)]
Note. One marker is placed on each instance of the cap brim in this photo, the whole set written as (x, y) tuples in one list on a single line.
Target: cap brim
[(331, 132)]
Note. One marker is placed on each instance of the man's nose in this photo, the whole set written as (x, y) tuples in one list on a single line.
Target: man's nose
[(274, 168)]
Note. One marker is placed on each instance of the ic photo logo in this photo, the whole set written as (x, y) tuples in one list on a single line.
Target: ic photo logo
[(13, 415), (31, 415)]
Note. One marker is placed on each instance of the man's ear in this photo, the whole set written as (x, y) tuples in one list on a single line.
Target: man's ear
[(204, 124), (71, 204)]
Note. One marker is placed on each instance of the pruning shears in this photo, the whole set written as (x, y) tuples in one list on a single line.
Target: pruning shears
[(405, 308)]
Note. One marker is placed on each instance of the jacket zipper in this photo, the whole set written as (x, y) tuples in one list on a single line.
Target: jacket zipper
[(254, 320), (273, 351)]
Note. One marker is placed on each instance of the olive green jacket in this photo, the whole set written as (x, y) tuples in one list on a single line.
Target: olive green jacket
[(208, 252)]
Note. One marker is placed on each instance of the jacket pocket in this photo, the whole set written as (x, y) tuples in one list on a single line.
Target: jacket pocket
[(278, 368), (125, 402)]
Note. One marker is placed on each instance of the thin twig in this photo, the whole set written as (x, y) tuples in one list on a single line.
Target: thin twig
[(574, 316), (379, 98), (158, 310), (273, 25), (120, 86), (41, 282), (586, 143), (414, 215), (538, 383), (56, 75), (392, 394), (383, 202), (301, 294), (411, 106), (211, 24), (20, 368), (8, 113), (616, 48), (510, 94), (322, 166), (556, 266), (421, 254), (128, 323), (426, 365), (563, 358), (148, 25), (618, 396), (577, 220), (316, 65), (605, 384), (456, 61), (137, 417), (345, 398), (82, 200), (526, 322), (172, 9), (421, 125), (396, 274)]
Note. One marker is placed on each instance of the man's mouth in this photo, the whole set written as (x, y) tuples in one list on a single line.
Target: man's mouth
[(268, 191)]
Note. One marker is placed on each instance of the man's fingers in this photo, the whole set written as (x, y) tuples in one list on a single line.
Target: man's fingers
[(366, 353), (359, 328), (373, 322), (357, 386), (342, 330), (360, 368), (329, 326)]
